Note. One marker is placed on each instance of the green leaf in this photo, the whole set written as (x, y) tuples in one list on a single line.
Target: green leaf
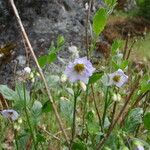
[(37, 108), (92, 125), (110, 3), (7, 93), (47, 59), (52, 80), (99, 21), (115, 65), (124, 64), (66, 108), (42, 60), (47, 107), (79, 145), (95, 77), (134, 119), (51, 58), (23, 96), (60, 41), (146, 121), (40, 138), (117, 44), (52, 48)]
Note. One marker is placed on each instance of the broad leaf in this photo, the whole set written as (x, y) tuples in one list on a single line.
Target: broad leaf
[(146, 120), (99, 21), (95, 77), (7, 93)]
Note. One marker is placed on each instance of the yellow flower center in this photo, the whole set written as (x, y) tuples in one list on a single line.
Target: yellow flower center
[(79, 68), (116, 78)]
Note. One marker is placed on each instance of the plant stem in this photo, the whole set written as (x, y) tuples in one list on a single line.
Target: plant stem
[(113, 113), (15, 134), (84, 107), (86, 29), (27, 117), (94, 99), (74, 116), (105, 106)]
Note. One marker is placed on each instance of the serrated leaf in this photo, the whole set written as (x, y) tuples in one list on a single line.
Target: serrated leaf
[(146, 121), (7, 93), (95, 77), (99, 21)]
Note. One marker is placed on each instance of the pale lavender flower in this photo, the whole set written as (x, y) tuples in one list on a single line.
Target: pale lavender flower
[(139, 147), (10, 114), (79, 70), (118, 78)]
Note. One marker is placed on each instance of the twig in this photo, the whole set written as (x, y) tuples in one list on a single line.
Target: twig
[(133, 106), (39, 69), (126, 46), (86, 29), (94, 99), (129, 51), (50, 134)]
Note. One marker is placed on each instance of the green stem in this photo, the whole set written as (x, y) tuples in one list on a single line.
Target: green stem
[(105, 106), (28, 119), (84, 107), (15, 135), (74, 115)]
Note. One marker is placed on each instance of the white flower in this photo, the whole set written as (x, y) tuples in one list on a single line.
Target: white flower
[(27, 70), (10, 114), (118, 78)]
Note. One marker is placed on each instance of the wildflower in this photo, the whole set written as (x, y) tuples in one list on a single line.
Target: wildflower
[(10, 114), (27, 70), (118, 78), (139, 147), (81, 69)]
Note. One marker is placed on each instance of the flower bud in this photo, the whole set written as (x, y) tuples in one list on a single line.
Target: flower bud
[(116, 97), (63, 78), (83, 86), (27, 70)]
